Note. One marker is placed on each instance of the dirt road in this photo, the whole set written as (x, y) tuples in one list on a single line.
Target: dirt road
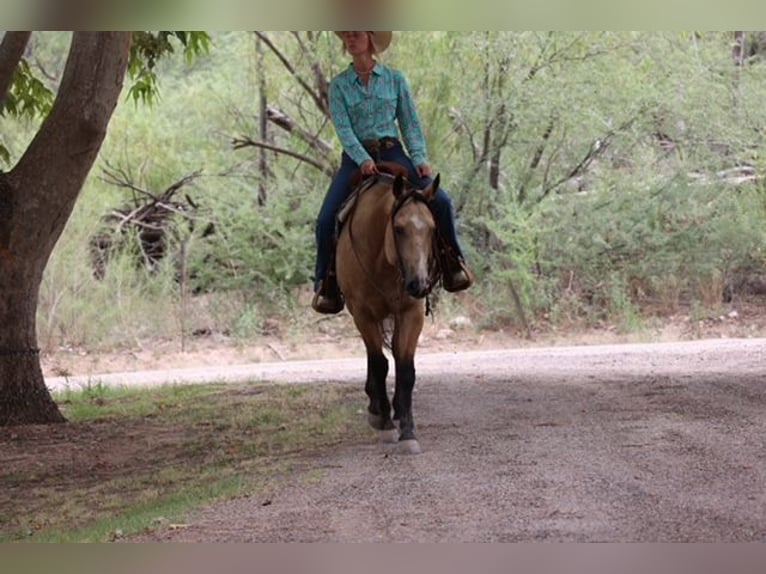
[(655, 442)]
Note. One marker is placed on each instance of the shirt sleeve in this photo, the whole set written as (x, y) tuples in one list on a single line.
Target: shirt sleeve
[(341, 120), (409, 123)]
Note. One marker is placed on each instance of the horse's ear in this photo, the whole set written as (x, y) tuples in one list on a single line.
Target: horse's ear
[(430, 192), (398, 186)]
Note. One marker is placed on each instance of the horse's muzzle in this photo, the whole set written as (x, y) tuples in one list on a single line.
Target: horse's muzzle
[(417, 288)]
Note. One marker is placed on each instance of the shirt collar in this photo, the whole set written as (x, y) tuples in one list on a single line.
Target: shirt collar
[(376, 71)]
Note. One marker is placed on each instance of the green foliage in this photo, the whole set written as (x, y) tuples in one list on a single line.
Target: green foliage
[(146, 50), (26, 99), (612, 198), (264, 248), (665, 244), (32, 92), (28, 96), (509, 265)]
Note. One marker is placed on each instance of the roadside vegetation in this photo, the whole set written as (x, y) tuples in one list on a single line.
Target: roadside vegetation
[(599, 179), (132, 460)]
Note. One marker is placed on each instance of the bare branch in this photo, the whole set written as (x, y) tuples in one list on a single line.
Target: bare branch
[(239, 143), (459, 125), (320, 79), (44, 71), (180, 183), (301, 43), (120, 178), (536, 158), (541, 146), (288, 124), (561, 55), (597, 148), (125, 218), (322, 105)]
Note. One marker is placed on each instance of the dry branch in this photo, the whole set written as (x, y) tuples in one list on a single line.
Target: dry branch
[(151, 216), (244, 141), (315, 95), (284, 121)]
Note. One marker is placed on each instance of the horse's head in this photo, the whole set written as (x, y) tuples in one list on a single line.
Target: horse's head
[(410, 236)]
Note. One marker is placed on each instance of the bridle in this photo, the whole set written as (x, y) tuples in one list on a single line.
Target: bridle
[(433, 270)]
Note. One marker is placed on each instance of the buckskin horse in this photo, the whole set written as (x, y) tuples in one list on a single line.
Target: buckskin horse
[(386, 266)]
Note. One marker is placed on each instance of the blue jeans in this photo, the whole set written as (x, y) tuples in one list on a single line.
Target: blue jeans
[(339, 190)]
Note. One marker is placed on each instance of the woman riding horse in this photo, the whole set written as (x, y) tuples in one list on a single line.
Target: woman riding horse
[(386, 268), (367, 100)]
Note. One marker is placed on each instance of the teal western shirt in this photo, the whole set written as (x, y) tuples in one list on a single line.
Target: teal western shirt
[(362, 112)]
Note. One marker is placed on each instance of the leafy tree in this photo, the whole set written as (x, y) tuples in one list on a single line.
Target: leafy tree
[(38, 193)]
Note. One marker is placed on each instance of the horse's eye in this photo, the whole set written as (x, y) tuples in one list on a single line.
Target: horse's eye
[(398, 230)]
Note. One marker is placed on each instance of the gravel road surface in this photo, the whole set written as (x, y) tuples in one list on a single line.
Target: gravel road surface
[(648, 442)]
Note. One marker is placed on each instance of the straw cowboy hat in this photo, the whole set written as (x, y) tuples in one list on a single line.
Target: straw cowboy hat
[(380, 40)]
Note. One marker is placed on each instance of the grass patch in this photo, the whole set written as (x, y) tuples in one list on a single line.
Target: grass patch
[(132, 460)]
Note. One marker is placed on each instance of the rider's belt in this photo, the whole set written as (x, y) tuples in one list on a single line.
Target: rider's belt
[(374, 147)]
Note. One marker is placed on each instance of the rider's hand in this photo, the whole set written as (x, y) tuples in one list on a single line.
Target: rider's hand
[(424, 170), (368, 167)]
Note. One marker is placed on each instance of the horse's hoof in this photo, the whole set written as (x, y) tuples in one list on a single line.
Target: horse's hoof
[(409, 446), (379, 423), (389, 436)]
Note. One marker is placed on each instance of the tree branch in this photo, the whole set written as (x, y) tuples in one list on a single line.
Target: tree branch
[(597, 148), (460, 125), (11, 51), (239, 143), (536, 158), (121, 178), (173, 187), (289, 67), (57, 161), (560, 56), (320, 79), (288, 124)]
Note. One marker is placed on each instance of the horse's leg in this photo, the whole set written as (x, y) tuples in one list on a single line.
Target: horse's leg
[(379, 408), (406, 333)]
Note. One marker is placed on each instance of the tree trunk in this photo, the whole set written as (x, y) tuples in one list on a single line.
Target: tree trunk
[(23, 395), (738, 48), (36, 199), (263, 165)]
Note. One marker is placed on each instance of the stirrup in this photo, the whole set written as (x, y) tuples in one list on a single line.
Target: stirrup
[(328, 304), (457, 278)]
